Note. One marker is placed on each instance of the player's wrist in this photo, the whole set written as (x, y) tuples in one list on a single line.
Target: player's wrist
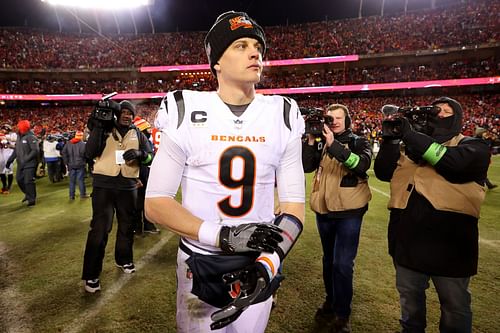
[(209, 233), (271, 262)]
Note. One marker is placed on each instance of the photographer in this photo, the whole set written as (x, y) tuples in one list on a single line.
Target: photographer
[(437, 187), (339, 196), (118, 148)]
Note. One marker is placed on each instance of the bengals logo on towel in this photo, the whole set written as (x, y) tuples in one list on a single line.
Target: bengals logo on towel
[(239, 22)]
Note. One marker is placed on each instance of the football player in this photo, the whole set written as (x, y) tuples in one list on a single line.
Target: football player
[(224, 148)]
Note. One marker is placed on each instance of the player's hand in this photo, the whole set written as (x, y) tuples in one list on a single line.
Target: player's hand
[(257, 237), (133, 154), (250, 281)]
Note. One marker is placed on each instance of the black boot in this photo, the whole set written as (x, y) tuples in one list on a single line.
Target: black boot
[(325, 312), (341, 325)]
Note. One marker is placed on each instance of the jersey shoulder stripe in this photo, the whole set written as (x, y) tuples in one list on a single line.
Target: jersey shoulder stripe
[(181, 109), (287, 105)]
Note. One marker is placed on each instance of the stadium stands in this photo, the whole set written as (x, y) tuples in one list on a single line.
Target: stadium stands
[(461, 41)]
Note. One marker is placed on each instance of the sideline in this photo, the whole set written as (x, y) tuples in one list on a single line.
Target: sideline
[(492, 243), (109, 293), (12, 308)]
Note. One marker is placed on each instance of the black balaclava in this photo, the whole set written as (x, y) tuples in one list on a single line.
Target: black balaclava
[(443, 129)]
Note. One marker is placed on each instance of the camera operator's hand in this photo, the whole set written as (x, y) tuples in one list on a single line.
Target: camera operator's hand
[(328, 134), (405, 128), (94, 123), (311, 139), (134, 154)]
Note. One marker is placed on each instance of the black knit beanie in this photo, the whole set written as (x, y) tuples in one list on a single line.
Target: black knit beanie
[(125, 104), (229, 27)]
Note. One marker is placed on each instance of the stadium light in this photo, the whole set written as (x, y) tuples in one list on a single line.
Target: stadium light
[(100, 4)]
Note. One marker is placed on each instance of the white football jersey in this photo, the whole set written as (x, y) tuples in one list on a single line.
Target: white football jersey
[(231, 162)]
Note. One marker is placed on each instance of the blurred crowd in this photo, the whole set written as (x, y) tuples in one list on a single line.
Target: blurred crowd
[(467, 24), (466, 68), (480, 110)]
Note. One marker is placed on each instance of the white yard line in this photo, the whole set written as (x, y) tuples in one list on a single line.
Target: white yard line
[(110, 292)]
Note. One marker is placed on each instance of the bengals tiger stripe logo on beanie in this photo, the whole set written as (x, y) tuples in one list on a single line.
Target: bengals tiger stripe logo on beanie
[(229, 27)]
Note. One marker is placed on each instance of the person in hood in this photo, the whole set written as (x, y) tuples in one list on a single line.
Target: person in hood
[(437, 187), (339, 197), (26, 153), (118, 151), (73, 155)]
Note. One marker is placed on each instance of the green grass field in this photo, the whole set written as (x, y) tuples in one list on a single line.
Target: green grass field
[(41, 251)]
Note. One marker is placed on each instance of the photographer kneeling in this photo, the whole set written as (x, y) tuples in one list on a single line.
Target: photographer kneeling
[(437, 187), (118, 148), (339, 196)]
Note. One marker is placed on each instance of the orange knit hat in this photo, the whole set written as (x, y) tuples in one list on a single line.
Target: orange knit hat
[(23, 126)]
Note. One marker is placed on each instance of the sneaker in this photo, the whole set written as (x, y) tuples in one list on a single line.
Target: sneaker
[(31, 203), (127, 268), (275, 300), (152, 231), (91, 286), (85, 196), (342, 325), (492, 186)]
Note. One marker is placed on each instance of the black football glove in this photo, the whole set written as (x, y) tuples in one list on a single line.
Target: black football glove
[(134, 154), (250, 282), (257, 237)]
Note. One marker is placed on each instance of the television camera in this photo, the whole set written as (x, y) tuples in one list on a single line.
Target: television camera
[(104, 113), (419, 117), (314, 119)]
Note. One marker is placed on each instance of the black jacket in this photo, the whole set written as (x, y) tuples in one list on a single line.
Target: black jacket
[(95, 146), (420, 237), (312, 155), (26, 151)]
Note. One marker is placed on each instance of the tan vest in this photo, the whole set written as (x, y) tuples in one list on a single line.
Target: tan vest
[(106, 163), (460, 198), (328, 196)]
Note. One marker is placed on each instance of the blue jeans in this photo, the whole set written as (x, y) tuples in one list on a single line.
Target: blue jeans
[(77, 175), (454, 297), (339, 239)]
